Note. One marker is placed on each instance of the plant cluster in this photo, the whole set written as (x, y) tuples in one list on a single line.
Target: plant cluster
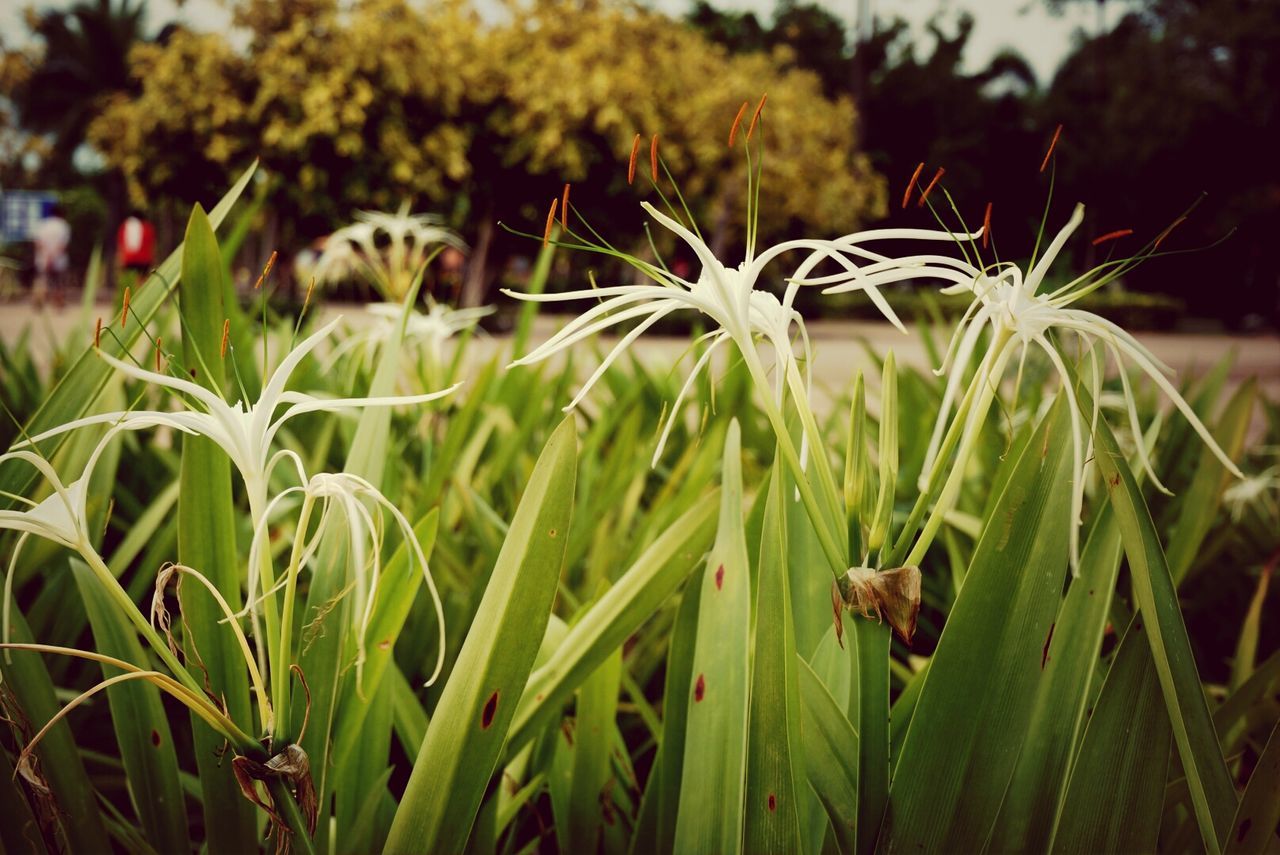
[(418, 608)]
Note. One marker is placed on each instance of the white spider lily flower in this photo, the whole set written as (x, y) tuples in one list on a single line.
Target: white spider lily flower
[(386, 247), (1007, 303), (61, 517), (246, 432), (433, 329), (726, 295), (1261, 489), (353, 503)]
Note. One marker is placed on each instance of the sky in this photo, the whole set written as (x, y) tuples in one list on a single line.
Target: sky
[(1043, 38)]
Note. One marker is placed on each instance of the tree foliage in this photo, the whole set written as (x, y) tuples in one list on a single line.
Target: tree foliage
[(368, 104)]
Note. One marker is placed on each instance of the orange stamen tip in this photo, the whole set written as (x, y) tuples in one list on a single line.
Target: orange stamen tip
[(1057, 132), (915, 176), (737, 120), (159, 354), (631, 167), (986, 226), (551, 221), (653, 158), (1118, 233), (755, 117), (124, 309), (306, 301), (226, 332), (564, 208), (97, 334), (937, 176)]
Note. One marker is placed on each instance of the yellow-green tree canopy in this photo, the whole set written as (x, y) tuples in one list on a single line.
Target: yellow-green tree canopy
[(365, 104)]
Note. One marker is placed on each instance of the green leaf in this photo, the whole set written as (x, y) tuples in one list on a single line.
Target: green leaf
[(773, 740), (1199, 503), (1242, 665), (60, 766), (355, 766), (141, 729), (1254, 827), (1114, 800), (207, 543), (1039, 780), (713, 781), (593, 739), (619, 612), (871, 647), (465, 737), (830, 754), (1212, 793), (669, 770), (977, 699)]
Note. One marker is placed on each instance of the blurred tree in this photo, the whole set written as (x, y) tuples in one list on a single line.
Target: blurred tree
[(81, 58), (918, 104), (361, 106), (816, 38), (1178, 98), (924, 107)]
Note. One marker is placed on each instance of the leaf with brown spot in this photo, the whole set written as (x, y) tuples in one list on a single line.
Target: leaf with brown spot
[(486, 715)]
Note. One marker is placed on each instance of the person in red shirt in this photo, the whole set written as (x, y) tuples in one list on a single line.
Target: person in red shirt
[(136, 244)]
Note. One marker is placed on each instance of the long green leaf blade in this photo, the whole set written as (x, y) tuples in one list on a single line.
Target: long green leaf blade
[(465, 737), (1212, 793), (774, 753), (714, 777), (977, 699), (142, 731), (1117, 783), (207, 542)]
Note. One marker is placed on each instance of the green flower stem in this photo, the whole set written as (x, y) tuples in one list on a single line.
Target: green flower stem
[(987, 383), (792, 459), (826, 478), (121, 597), (267, 580), (300, 838), (279, 667)]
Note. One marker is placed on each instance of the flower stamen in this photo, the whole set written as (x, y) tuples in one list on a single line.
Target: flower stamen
[(737, 120), (266, 271), (755, 117), (653, 158), (564, 209), (551, 221), (97, 334), (631, 167), (1057, 132), (1118, 233), (915, 176), (124, 310), (226, 332), (986, 226), (937, 176), (306, 301)]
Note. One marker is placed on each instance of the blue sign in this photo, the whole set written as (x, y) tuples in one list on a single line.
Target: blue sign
[(20, 210)]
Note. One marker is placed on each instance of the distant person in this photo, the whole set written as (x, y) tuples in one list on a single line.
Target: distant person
[(52, 238), (136, 244), (135, 249)]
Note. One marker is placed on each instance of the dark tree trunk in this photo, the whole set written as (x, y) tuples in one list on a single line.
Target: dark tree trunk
[(476, 285)]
